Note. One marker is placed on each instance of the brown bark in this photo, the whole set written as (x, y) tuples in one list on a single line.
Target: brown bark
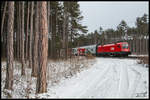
[(27, 34), (35, 46), (53, 43), (20, 30), (4, 13), (43, 48), (22, 42), (147, 45), (66, 39), (17, 36), (31, 32), (48, 19), (10, 57), (3, 36), (65, 31)]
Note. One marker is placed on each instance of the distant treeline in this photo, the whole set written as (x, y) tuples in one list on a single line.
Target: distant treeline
[(138, 36)]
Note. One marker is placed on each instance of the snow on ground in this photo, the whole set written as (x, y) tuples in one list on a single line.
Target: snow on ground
[(25, 86), (134, 55), (105, 78)]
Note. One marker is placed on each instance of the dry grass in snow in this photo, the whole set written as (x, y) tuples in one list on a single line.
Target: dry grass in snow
[(25, 86)]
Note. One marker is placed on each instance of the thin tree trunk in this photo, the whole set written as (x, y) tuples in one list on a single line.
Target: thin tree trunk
[(17, 36), (48, 17), (22, 43), (43, 49), (71, 41), (20, 31), (65, 32), (66, 39), (54, 34), (27, 34), (147, 45), (35, 46), (31, 32), (4, 13), (10, 57), (48, 14), (4, 35), (51, 29)]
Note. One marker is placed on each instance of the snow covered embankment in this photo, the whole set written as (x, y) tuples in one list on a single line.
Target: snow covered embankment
[(107, 78)]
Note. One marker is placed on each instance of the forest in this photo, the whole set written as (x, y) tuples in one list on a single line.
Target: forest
[(33, 32)]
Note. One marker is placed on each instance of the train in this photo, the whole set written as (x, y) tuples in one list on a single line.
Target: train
[(112, 49)]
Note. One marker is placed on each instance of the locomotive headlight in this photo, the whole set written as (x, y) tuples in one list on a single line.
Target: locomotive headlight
[(112, 48)]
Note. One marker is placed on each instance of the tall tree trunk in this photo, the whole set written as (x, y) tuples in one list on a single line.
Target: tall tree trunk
[(64, 23), (66, 38), (3, 36), (135, 45), (65, 29), (27, 34), (48, 14), (22, 43), (17, 33), (35, 46), (43, 49), (20, 29), (51, 45), (31, 32), (10, 57), (3, 17), (71, 40), (54, 33), (48, 17), (147, 45)]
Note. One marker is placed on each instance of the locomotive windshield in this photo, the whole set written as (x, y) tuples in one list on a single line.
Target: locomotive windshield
[(125, 46)]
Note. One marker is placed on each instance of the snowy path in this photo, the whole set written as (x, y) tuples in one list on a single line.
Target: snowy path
[(107, 78)]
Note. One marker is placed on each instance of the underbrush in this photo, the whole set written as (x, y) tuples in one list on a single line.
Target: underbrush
[(66, 68), (144, 60), (90, 56), (25, 86)]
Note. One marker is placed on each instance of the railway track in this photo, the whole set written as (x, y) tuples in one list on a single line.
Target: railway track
[(130, 57)]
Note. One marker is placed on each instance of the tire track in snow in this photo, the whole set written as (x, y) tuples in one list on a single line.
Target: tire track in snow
[(104, 84), (92, 78), (132, 88), (123, 83), (108, 78), (97, 81), (128, 88), (93, 88)]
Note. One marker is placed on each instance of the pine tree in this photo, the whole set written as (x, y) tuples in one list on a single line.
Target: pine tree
[(10, 52), (27, 33), (22, 42), (35, 46), (3, 17), (31, 33), (43, 49)]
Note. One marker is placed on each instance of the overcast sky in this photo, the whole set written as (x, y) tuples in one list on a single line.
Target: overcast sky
[(109, 14)]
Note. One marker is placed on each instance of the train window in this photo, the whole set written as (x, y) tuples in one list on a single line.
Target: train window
[(125, 46)]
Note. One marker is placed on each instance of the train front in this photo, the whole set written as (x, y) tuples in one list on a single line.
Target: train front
[(125, 50)]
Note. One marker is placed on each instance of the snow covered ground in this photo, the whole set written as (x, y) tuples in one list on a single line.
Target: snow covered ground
[(133, 55), (106, 78)]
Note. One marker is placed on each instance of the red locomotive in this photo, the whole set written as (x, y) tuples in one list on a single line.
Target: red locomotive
[(115, 49)]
